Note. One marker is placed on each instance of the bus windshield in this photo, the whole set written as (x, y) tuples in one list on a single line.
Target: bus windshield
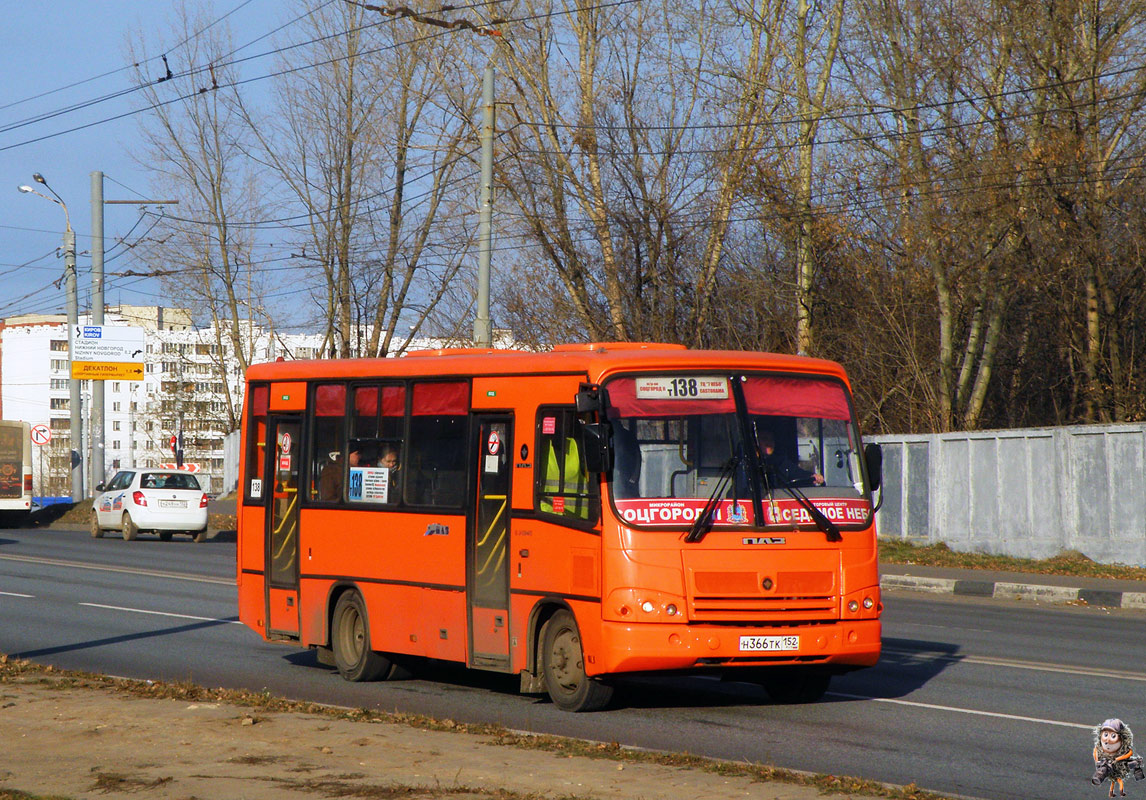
[(681, 441)]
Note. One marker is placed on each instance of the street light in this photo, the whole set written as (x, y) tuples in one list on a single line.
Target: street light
[(73, 321)]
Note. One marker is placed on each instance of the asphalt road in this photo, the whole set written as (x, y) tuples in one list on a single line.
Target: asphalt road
[(974, 697)]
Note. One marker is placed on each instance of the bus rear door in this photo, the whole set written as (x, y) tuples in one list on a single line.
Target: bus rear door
[(488, 544)]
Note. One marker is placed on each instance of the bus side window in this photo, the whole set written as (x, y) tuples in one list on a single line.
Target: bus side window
[(436, 449), (257, 404), (326, 441), (563, 486)]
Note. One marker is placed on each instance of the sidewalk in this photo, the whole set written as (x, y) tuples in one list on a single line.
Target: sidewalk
[(1014, 585)]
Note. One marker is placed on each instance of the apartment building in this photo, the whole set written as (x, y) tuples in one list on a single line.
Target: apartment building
[(192, 386)]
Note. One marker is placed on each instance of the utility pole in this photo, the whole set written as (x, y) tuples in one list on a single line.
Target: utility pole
[(99, 460), (97, 415), (77, 459), (483, 328), (76, 433)]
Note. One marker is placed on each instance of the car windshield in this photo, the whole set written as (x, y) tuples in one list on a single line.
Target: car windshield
[(168, 480), (677, 437)]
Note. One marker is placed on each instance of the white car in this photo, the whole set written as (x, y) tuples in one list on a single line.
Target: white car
[(162, 500)]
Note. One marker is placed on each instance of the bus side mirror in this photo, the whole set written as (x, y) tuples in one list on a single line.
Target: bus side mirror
[(588, 398), (598, 441), (873, 455)]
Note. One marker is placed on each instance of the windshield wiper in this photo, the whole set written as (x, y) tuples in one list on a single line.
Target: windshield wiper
[(830, 529), (704, 520)]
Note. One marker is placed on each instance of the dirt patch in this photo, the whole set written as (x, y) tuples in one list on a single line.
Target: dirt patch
[(81, 736)]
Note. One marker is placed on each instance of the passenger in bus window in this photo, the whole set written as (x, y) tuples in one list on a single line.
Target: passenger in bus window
[(330, 482), (774, 463), (391, 460)]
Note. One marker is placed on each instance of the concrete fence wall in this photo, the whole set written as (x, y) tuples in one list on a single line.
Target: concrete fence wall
[(1029, 493)]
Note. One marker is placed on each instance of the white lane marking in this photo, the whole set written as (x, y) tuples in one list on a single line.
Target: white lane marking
[(56, 562), (162, 613), (991, 661), (16, 594), (972, 711)]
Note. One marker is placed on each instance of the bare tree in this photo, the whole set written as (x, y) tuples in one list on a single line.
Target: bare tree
[(195, 148)]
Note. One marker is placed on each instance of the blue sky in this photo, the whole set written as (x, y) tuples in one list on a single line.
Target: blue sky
[(55, 55)]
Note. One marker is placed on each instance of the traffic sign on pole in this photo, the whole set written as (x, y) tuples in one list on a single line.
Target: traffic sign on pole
[(108, 352), (41, 434)]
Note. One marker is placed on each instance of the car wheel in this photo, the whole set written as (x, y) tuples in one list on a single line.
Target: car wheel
[(165, 536), (350, 641), (129, 529), (96, 530), (563, 664), (199, 536)]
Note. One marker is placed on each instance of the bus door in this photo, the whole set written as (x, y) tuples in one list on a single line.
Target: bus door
[(488, 543), (282, 526)]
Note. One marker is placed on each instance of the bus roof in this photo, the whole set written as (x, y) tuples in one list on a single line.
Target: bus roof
[(594, 359)]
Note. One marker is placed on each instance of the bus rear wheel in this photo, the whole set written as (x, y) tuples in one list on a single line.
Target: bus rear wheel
[(350, 641), (563, 664), (795, 685)]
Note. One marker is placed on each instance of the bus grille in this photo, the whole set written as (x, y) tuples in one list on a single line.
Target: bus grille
[(791, 597)]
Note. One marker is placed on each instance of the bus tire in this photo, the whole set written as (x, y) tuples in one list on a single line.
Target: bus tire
[(96, 530), (129, 529), (795, 685), (350, 641), (563, 664)]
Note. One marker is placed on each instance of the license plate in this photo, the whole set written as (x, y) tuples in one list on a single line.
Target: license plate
[(173, 504), (768, 644)]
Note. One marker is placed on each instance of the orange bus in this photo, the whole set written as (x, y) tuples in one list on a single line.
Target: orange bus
[(567, 516)]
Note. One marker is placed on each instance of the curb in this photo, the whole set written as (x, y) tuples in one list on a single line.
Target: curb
[(1003, 590)]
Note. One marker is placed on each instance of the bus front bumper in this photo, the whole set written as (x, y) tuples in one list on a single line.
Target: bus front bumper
[(653, 647)]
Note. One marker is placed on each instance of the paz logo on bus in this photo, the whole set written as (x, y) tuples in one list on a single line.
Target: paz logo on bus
[(494, 443)]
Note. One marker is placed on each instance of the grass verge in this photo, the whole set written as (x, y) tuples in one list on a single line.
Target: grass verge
[(1069, 562)]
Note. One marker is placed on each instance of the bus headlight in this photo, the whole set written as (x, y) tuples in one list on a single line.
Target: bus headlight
[(644, 605)]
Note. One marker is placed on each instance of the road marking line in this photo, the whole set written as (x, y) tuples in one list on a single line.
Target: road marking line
[(972, 711), (162, 613), (991, 661), (131, 570), (16, 594)]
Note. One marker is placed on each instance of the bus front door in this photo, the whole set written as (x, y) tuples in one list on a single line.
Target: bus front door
[(488, 544), (282, 527)]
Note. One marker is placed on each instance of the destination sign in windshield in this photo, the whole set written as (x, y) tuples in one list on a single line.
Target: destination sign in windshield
[(682, 388)]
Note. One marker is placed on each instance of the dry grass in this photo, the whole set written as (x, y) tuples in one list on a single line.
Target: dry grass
[(1069, 562)]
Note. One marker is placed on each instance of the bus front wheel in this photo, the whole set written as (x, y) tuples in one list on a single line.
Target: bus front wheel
[(350, 641), (563, 663)]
